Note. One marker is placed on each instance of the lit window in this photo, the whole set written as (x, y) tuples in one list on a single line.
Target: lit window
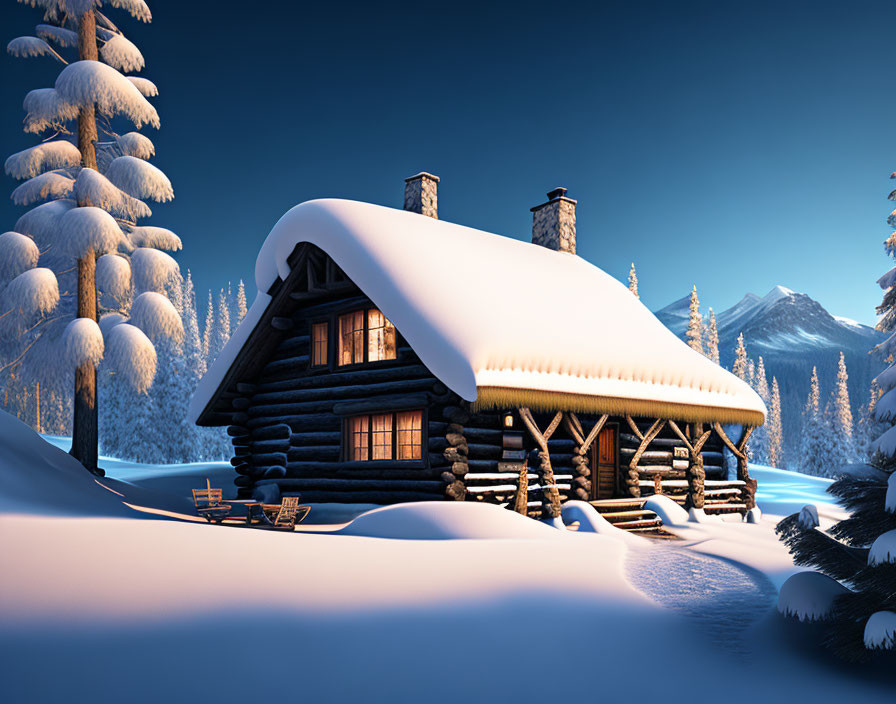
[(359, 438), (380, 337), (381, 437), (319, 344), (410, 435), (351, 338), (385, 436)]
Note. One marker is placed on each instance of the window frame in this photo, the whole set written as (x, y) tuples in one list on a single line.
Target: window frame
[(347, 437), (365, 311), (327, 350)]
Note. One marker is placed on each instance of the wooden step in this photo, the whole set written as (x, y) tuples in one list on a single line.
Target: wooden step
[(647, 523), (623, 515)]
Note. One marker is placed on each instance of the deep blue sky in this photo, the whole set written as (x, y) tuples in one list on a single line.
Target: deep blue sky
[(732, 145)]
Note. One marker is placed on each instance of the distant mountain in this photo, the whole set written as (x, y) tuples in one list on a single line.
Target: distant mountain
[(792, 333)]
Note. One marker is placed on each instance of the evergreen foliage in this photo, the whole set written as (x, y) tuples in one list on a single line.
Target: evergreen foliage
[(868, 493), (712, 338), (632, 281), (694, 332), (739, 368), (85, 202)]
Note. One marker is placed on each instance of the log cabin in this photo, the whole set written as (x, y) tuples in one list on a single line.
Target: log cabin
[(390, 356)]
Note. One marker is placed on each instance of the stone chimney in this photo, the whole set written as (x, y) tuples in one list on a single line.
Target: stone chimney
[(421, 194), (554, 222)]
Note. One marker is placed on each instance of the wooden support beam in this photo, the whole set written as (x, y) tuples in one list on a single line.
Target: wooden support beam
[(696, 475), (646, 438), (743, 472), (547, 472)]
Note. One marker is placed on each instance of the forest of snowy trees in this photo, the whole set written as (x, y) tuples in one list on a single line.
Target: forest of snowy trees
[(142, 425), (830, 437)]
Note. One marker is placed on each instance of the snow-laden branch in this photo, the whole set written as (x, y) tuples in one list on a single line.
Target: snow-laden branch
[(83, 342), (26, 47), (42, 157), (87, 229), (34, 292), (146, 87), (135, 8), (109, 321), (131, 354), (94, 188), (119, 52), (140, 179), (113, 277), (153, 270), (42, 222), (155, 237), (86, 83), (45, 109), (155, 315), (48, 185), (136, 145), (18, 254), (60, 35)]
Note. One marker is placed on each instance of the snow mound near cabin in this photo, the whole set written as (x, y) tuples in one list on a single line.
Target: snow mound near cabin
[(434, 520), (36, 477)]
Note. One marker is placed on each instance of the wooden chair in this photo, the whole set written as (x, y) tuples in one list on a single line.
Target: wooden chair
[(286, 514), (209, 503)]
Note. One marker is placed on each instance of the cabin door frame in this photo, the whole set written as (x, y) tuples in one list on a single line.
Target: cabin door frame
[(605, 463)]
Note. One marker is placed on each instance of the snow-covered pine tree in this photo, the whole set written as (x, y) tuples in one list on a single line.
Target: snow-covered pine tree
[(221, 329), (813, 440), (843, 412), (208, 329), (241, 308), (860, 551), (632, 281), (694, 332), (751, 372), (739, 368), (775, 430), (868, 428), (759, 440), (712, 338), (84, 237)]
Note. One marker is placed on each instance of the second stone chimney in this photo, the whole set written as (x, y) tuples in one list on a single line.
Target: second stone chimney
[(554, 222), (421, 194)]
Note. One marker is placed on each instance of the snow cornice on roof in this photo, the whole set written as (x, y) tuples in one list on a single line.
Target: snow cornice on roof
[(500, 322)]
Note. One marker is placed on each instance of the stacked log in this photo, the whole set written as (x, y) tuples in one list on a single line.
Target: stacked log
[(456, 452)]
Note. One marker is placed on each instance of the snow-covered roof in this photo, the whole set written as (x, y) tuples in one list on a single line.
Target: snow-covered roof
[(499, 321)]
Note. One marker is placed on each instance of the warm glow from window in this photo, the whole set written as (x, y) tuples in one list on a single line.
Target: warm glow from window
[(380, 337), (381, 437), (319, 344), (351, 338), (359, 438), (365, 330), (508, 420), (410, 435), (385, 436)]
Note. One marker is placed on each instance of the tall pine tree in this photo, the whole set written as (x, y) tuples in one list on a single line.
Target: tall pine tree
[(694, 332), (632, 281), (712, 338), (859, 551)]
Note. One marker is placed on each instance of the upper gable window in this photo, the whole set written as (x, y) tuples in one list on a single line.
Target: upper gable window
[(319, 344), (365, 336)]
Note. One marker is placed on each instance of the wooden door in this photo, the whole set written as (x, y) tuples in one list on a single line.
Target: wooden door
[(604, 454)]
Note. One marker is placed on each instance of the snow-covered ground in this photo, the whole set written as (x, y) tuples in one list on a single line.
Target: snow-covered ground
[(426, 602)]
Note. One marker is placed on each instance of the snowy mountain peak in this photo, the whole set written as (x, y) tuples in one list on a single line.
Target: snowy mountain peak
[(777, 293)]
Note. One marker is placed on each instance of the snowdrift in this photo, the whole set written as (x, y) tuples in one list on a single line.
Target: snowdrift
[(434, 520), (36, 477)]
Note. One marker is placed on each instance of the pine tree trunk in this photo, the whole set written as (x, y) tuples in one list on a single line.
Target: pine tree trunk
[(85, 428)]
